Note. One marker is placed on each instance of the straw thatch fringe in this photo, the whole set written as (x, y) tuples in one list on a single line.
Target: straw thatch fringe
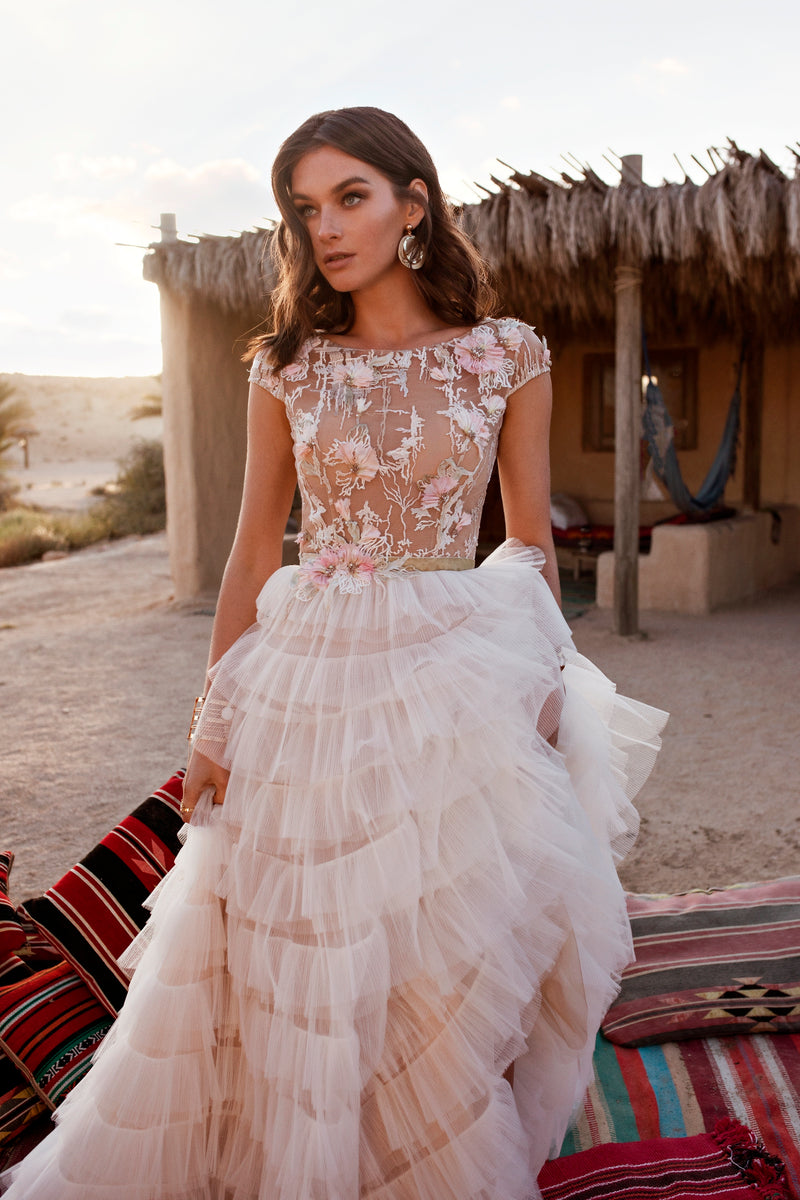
[(717, 258), (231, 272)]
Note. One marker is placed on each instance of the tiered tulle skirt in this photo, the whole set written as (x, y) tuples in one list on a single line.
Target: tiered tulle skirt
[(407, 889)]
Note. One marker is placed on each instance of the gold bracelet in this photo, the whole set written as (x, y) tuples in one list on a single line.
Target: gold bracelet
[(199, 701)]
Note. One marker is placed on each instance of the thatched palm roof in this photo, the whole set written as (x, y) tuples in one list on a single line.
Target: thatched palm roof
[(717, 258)]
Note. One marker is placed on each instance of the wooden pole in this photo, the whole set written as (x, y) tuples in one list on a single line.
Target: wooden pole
[(168, 228), (753, 411), (627, 427)]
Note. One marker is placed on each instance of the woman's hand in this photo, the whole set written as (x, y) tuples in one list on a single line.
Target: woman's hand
[(202, 773)]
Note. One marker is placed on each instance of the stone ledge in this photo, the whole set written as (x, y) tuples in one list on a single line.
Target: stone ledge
[(699, 568)]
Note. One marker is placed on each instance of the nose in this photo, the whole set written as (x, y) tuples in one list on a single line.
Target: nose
[(328, 227)]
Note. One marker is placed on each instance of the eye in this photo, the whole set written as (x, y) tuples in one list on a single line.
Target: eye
[(304, 211), (351, 199)]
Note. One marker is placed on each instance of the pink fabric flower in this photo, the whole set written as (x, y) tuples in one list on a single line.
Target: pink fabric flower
[(436, 488), (479, 352), (303, 451), (358, 460), (320, 571), (369, 533), (510, 336), (343, 508), (355, 374), (294, 371), (472, 423), (464, 520), (346, 567), (354, 569)]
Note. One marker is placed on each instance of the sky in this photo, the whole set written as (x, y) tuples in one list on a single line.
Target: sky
[(112, 114)]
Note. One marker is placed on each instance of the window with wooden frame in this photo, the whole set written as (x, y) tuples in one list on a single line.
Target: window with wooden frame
[(675, 371)]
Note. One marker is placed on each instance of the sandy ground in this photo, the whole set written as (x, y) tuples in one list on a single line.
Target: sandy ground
[(81, 428), (98, 669)]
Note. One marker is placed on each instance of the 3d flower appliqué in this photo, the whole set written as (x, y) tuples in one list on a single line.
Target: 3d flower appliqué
[(355, 460), (479, 352)]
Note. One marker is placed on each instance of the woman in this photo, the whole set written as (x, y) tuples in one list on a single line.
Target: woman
[(404, 795)]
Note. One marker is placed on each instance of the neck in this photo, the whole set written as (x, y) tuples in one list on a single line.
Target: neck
[(392, 314)]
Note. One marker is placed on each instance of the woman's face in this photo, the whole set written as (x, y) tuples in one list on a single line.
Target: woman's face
[(353, 217)]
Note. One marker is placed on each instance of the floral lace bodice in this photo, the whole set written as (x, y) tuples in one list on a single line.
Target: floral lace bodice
[(394, 449)]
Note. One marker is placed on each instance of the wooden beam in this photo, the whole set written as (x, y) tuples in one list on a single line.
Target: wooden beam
[(627, 430), (753, 416)]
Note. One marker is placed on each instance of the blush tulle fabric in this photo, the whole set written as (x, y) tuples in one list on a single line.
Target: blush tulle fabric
[(408, 886), (406, 889)]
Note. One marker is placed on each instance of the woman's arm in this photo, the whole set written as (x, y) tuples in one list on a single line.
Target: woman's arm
[(523, 460), (269, 483)]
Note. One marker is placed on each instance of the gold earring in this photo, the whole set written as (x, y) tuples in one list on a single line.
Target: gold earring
[(411, 251)]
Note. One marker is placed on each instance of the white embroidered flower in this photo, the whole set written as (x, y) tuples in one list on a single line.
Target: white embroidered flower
[(509, 335), (495, 405), (343, 508), (354, 374), (295, 371), (401, 454), (472, 424), (304, 433)]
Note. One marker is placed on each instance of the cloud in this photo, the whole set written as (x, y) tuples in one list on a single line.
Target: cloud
[(111, 166), (659, 74), (90, 317), (113, 203), (217, 196), (15, 320), (11, 265), (669, 66)]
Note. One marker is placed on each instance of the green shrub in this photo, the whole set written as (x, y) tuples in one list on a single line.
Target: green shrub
[(136, 505)]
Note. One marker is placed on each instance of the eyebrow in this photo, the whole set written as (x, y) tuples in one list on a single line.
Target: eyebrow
[(340, 187)]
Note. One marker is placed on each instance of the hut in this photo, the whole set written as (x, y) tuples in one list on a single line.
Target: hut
[(717, 268)]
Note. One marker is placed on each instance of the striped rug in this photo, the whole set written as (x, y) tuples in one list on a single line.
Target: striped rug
[(678, 1089)]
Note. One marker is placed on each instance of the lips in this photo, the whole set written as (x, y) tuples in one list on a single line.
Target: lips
[(337, 259)]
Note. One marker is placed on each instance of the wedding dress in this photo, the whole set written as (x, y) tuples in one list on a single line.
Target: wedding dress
[(408, 886)]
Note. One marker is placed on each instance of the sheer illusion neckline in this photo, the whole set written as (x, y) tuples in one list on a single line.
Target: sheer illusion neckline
[(465, 331)]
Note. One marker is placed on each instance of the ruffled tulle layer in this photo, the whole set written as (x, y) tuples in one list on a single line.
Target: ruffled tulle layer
[(407, 888)]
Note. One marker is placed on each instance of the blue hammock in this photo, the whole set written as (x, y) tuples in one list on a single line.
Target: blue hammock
[(659, 433)]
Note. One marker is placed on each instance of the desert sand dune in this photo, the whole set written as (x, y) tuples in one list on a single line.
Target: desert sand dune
[(82, 428)]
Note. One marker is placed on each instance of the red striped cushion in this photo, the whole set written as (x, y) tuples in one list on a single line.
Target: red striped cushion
[(12, 935), (711, 963), (94, 911), (728, 1164), (50, 1025), (20, 1103), (38, 951), (12, 969)]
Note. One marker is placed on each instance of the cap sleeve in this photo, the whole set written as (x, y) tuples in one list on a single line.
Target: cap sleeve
[(531, 357), (261, 372)]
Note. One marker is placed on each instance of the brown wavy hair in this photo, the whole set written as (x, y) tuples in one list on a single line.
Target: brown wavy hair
[(454, 279)]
